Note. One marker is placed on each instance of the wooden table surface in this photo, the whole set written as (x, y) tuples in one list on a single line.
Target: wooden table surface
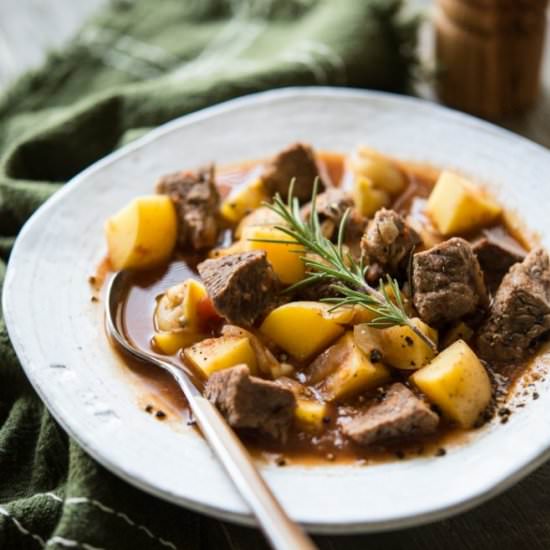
[(520, 518)]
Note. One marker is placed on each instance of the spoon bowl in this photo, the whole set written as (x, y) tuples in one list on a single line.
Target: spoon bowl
[(280, 530)]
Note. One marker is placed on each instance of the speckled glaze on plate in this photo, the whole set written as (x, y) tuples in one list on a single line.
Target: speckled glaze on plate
[(58, 333)]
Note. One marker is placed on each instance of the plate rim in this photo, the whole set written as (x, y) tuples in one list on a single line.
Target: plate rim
[(538, 456)]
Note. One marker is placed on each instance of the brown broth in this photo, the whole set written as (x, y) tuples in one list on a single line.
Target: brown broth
[(159, 392)]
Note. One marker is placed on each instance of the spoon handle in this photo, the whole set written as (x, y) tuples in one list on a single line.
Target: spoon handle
[(280, 530)]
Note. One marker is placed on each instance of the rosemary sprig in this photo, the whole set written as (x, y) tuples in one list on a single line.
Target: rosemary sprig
[(331, 263)]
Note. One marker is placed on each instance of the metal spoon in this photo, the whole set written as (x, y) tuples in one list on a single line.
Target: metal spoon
[(280, 530)]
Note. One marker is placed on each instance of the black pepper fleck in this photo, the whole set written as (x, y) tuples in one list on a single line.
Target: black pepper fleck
[(160, 415), (536, 396), (441, 452), (375, 356), (149, 409)]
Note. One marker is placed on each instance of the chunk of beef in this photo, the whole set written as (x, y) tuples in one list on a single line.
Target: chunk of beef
[(520, 312), (242, 286), (250, 402), (388, 241), (197, 202), (331, 207), (296, 161), (447, 282), (316, 291), (496, 254), (400, 414)]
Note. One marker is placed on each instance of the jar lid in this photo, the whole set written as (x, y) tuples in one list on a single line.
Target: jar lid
[(488, 16)]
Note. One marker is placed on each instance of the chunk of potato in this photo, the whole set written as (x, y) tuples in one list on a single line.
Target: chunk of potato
[(169, 343), (382, 171), (235, 248), (260, 216), (279, 370), (178, 308), (456, 206), (399, 347), (214, 354), (243, 201), (301, 328), (457, 383), (285, 258), (403, 349), (310, 414), (461, 331), (349, 371), (369, 199), (142, 234)]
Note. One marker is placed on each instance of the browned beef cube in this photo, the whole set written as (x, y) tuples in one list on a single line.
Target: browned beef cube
[(520, 312), (447, 282), (317, 291), (197, 202), (496, 254), (250, 402), (331, 207), (297, 161), (400, 414), (388, 241), (242, 286)]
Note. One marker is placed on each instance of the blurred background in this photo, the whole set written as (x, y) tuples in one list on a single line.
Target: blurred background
[(466, 33)]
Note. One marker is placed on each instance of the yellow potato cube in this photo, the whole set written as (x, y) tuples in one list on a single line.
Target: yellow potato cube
[(169, 343), (403, 349), (457, 383), (460, 331), (280, 369), (285, 258), (456, 206), (301, 328), (352, 371), (243, 201), (260, 216), (309, 414), (142, 234), (382, 171), (235, 248), (214, 354), (368, 199)]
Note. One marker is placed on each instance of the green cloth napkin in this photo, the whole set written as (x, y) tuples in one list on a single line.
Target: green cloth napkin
[(136, 65)]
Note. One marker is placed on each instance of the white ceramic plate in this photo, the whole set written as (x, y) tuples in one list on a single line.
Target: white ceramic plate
[(58, 333)]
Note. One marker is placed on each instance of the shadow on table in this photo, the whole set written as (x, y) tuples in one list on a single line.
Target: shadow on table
[(518, 519)]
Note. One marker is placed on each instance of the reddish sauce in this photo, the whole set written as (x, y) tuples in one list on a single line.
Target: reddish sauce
[(159, 393)]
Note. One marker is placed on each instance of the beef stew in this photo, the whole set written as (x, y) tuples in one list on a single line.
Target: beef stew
[(456, 304)]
